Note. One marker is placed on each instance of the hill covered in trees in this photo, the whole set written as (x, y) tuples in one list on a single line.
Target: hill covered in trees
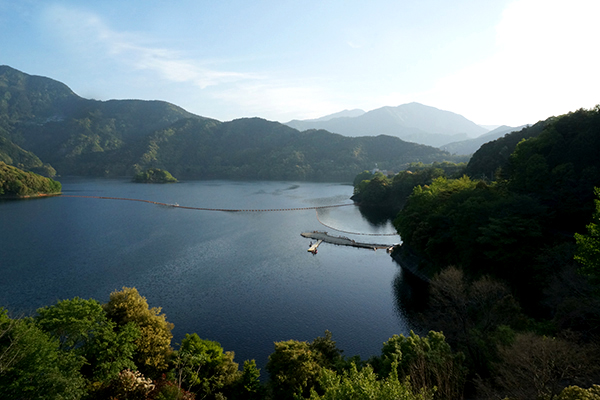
[(44, 125), (18, 183), (510, 261)]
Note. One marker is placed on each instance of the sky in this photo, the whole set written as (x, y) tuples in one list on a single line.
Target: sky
[(496, 62)]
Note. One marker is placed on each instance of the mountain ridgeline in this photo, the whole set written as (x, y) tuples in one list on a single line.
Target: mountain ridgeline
[(412, 122), (46, 128)]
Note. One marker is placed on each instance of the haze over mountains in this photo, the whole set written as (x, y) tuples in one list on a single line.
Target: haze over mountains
[(470, 146), (411, 122), (46, 127)]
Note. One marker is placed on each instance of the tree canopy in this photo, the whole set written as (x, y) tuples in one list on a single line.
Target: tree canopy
[(16, 182), (153, 346), (154, 175)]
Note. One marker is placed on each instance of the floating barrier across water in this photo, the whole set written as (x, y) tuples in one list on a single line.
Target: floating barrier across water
[(211, 209), (316, 208)]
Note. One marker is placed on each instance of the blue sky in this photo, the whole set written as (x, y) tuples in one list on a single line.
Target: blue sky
[(507, 62)]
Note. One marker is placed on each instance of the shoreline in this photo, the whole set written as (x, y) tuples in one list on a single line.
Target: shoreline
[(28, 196), (410, 262)]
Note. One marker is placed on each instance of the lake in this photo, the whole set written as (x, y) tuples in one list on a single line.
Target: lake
[(244, 279)]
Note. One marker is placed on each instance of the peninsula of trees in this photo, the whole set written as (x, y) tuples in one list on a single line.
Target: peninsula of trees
[(18, 183)]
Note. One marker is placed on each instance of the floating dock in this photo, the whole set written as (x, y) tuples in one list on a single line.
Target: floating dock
[(313, 248), (340, 240)]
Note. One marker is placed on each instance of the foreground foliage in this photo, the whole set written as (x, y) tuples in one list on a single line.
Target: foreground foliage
[(81, 349), (153, 346), (364, 384)]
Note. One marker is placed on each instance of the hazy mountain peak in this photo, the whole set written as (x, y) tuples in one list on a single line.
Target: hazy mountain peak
[(414, 122), (470, 146), (357, 112)]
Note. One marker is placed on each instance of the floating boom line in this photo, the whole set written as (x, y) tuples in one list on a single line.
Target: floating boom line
[(353, 233), (316, 208), (210, 209)]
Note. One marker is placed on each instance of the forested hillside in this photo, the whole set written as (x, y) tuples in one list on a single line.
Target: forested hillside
[(16, 182), (511, 262), (254, 148), (493, 156), (43, 121), (542, 194), (12, 154)]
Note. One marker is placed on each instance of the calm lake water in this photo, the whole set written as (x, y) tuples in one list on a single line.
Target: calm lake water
[(242, 279)]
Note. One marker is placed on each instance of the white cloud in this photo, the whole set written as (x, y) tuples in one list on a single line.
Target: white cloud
[(91, 37), (545, 64), (225, 94)]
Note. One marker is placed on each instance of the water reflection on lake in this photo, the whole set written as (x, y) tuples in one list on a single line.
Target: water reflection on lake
[(242, 279)]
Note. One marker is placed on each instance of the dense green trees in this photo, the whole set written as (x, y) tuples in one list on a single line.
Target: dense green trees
[(365, 384), (484, 229), (499, 247), (375, 190), (154, 175), (80, 349), (83, 328), (510, 228), (15, 182), (428, 361), (153, 346), (294, 369), (408, 368), (588, 245), (75, 350), (32, 364), (204, 368)]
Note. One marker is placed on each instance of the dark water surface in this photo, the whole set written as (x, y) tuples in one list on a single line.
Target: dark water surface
[(242, 279)]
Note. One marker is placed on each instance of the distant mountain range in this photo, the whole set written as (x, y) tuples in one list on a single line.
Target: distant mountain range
[(411, 122), (470, 146), (45, 127)]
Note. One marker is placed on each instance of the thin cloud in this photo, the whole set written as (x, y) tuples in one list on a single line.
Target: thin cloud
[(280, 100), (89, 35)]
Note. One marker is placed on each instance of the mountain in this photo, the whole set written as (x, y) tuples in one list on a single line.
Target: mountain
[(19, 183), (14, 155), (470, 146), (298, 124), (490, 127), (43, 118), (495, 154), (412, 122), (43, 121)]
